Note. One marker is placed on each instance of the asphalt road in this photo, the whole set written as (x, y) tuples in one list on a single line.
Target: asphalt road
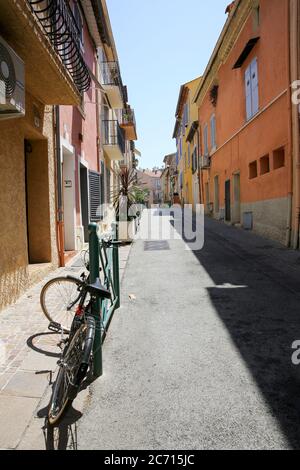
[(201, 358)]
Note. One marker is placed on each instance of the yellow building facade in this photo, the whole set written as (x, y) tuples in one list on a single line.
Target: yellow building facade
[(187, 143)]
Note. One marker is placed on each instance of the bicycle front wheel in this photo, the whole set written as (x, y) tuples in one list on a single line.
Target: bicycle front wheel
[(72, 370), (59, 299)]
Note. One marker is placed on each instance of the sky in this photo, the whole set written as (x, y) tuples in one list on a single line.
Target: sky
[(161, 45)]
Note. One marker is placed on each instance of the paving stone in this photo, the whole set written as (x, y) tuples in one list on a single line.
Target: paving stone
[(35, 361), (26, 384), (17, 411)]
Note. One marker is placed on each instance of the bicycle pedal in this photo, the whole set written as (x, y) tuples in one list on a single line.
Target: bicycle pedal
[(55, 327)]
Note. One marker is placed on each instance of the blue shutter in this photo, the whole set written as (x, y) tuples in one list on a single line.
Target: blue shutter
[(213, 131), (205, 140), (254, 87), (248, 93)]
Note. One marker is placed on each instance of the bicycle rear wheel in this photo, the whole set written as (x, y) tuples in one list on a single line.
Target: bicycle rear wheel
[(59, 299), (72, 371)]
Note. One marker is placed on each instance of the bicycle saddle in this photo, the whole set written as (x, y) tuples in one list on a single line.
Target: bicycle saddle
[(98, 290)]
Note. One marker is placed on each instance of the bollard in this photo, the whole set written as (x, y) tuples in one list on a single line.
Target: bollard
[(116, 272), (94, 274)]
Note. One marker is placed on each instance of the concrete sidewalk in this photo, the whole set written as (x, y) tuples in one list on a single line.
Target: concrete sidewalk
[(201, 357), (28, 360)]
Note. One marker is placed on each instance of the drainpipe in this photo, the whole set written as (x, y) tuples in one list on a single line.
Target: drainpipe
[(294, 57), (60, 212)]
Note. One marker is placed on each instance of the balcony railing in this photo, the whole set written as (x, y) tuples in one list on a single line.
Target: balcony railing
[(113, 135), (57, 20), (111, 76), (128, 117)]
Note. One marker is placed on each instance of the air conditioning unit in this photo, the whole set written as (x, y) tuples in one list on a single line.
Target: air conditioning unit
[(205, 162), (12, 83)]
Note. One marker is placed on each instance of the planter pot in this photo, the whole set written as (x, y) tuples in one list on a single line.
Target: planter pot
[(127, 230)]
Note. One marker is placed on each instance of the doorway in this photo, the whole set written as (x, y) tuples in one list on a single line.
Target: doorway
[(84, 197), (207, 197), (37, 201), (216, 196), (196, 191), (228, 200), (236, 216), (68, 176)]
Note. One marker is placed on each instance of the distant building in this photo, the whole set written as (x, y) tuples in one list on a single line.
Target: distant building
[(168, 178), (151, 180)]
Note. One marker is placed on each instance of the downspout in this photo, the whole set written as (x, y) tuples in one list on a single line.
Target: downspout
[(199, 168), (60, 210), (294, 57)]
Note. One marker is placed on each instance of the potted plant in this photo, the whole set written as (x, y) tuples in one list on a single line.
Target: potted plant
[(127, 200)]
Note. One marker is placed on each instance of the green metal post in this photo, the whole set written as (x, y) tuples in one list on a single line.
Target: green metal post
[(116, 267), (94, 274)]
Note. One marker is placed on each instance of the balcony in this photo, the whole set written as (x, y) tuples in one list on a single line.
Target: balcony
[(113, 140), (45, 35), (112, 84), (127, 122), (205, 162)]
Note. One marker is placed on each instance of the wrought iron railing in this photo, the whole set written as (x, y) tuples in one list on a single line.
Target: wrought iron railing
[(59, 25), (111, 76), (113, 134), (128, 117)]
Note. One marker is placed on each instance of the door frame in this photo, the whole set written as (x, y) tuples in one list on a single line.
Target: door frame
[(68, 155)]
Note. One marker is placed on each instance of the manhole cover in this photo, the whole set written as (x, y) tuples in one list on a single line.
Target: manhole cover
[(156, 246)]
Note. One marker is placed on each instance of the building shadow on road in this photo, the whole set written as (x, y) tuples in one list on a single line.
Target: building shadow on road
[(258, 301)]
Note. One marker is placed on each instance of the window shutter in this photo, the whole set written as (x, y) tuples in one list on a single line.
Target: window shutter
[(248, 93), (205, 140), (213, 131), (254, 87), (95, 196)]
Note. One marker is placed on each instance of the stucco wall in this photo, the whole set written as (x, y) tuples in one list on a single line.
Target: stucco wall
[(269, 218), (239, 143), (15, 276)]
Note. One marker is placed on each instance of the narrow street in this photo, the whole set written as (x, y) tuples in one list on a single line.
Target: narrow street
[(199, 355)]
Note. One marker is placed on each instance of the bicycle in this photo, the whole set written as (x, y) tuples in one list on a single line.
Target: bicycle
[(76, 363), (60, 296)]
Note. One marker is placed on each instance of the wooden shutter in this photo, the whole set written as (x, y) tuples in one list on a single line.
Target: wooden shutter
[(95, 196), (248, 91), (254, 87)]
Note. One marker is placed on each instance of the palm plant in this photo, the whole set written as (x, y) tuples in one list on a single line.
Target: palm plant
[(127, 193)]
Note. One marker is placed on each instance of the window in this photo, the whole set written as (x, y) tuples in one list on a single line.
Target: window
[(205, 138), (278, 158), (195, 160), (213, 132), (253, 170), (95, 196), (251, 85), (265, 165)]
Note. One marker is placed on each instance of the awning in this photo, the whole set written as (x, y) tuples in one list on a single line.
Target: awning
[(246, 51)]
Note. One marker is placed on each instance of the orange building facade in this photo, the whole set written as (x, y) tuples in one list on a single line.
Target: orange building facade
[(245, 122)]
